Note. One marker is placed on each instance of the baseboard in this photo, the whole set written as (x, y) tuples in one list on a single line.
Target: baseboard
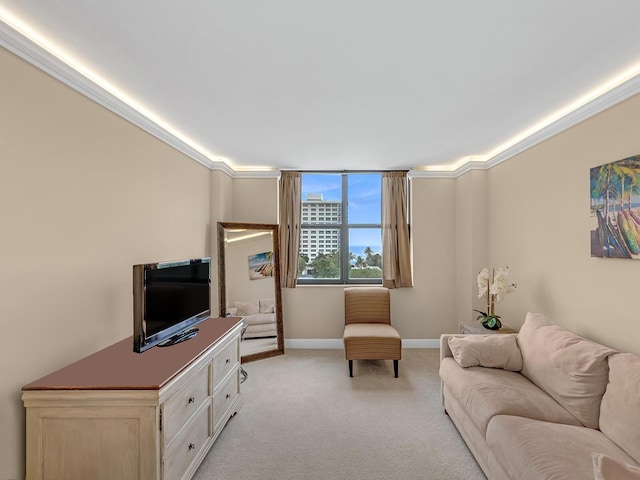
[(318, 343), (336, 343)]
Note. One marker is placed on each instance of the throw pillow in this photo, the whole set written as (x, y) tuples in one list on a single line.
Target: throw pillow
[(607, 468), (493, 351), (247, 308)]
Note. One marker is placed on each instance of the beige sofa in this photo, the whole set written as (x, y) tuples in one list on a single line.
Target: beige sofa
[(259, 317), (543, 403)]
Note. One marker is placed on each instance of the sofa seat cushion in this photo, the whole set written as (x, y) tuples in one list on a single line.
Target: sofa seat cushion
[(620, 408), (487, 392), (572, 369), (260, 331), (535, 450), (372, 341), (259, 319)]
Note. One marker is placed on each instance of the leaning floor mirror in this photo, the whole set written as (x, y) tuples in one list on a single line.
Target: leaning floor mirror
[(249, 285)]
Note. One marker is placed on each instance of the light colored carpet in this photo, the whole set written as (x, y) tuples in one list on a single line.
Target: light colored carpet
[(304, 418)]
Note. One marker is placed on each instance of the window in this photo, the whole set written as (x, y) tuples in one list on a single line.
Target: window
[(347, 209)]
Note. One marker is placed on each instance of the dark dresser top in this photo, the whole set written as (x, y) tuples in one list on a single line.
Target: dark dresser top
[(118, 367)]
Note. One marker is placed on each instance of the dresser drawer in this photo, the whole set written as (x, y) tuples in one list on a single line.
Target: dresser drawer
[(189, 442), (224, 361), (223, 399), (182, 404)]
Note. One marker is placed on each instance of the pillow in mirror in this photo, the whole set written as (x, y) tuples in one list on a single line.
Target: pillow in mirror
[(247, 308), (267, 305)]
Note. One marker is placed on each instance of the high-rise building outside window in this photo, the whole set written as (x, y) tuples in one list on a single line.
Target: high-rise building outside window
[(345, 209)]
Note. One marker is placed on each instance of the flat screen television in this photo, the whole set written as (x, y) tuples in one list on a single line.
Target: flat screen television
[(169, 299)]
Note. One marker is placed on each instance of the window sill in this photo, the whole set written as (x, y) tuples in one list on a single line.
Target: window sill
[(337, 285)]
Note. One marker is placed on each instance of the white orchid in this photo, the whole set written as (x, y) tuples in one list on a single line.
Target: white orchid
[(495, 287), (483, 282), (500, 288)]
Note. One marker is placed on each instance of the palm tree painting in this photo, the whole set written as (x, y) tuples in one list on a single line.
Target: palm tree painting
[(261, 265), (615, 208)]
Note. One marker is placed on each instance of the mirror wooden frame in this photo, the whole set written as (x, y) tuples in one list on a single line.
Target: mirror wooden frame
[(222, 288)]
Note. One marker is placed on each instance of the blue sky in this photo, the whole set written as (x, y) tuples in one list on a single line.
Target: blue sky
[(364, 201), (364, 193)]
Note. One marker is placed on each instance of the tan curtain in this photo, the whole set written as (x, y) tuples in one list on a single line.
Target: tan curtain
[(396, 252), (290, 213)]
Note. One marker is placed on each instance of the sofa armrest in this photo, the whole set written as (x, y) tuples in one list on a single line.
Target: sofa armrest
[(445, 352)]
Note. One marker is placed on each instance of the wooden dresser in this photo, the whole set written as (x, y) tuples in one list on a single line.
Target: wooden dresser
[(121, 415)]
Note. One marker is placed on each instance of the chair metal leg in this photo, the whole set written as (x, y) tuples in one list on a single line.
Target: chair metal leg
[(395, 368), (351, 368)]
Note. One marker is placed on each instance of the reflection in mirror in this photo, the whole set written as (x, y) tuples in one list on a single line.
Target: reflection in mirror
[(249, 285)]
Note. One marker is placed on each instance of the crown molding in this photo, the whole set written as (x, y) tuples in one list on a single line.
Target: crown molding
[(36, 55), (42, 59), (39, 57), (261, 174), (462, 169), (608, 99)]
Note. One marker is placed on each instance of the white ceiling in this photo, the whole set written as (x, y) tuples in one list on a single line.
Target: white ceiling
[(349, 84)]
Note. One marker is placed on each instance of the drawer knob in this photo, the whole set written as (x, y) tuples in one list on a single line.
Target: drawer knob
[(228, 395), (192, 446), (191, 399), (228, 360)]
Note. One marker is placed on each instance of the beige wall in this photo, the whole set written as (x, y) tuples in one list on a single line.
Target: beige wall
[(84, 195), (247, 200), (422, 312), (540, 226), (221, 210), (530, 213), (471, 238), (255, 200), (240, 287)]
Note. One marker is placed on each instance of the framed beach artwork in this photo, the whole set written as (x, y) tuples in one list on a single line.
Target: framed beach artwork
[(261, 265), (615, 209)]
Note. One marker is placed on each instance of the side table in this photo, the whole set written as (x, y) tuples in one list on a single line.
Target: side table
[(477, 328)]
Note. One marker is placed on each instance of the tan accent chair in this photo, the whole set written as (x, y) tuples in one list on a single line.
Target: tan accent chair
[(368, 334)]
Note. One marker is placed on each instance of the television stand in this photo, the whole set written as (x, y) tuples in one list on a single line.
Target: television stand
[(180, 337), (118, 414)]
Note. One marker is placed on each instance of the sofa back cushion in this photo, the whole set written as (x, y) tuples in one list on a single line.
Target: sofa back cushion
[(572, 369), (267, 305), (247, 308), (620, 409)]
